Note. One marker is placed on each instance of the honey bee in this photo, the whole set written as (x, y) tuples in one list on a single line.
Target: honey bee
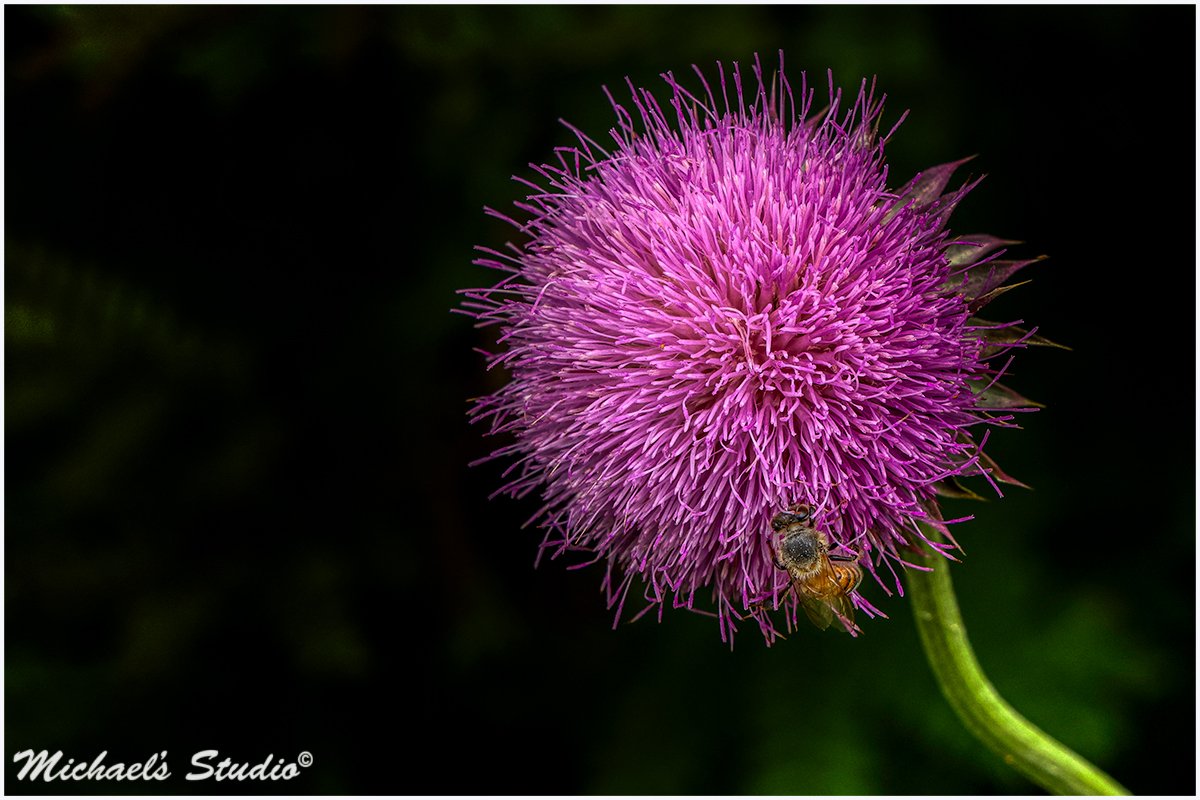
[(822, 582)]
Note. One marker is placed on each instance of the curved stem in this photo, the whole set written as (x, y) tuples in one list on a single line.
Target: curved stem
[(1022, 745)]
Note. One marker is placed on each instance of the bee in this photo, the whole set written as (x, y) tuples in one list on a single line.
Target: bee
[(822, 582)]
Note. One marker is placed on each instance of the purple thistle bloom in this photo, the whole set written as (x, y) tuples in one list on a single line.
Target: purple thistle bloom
[(729, 313)]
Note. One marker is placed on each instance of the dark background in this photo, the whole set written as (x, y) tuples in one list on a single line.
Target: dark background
[(238, 511)]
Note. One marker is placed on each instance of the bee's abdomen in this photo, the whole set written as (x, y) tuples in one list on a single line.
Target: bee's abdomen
[(848, 576)]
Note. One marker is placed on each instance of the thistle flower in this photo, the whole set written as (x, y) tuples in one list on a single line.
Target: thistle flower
[(727, 313)]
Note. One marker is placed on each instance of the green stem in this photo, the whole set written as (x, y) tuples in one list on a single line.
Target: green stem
[(1021, 744)]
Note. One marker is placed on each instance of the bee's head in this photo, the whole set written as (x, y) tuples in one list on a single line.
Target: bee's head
[(797, 515)]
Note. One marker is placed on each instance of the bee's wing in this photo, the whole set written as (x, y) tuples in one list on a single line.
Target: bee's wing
[(844, 609), (819, 612), (823, 612)]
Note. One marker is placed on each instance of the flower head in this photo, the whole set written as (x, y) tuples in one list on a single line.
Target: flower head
[(727, 313)]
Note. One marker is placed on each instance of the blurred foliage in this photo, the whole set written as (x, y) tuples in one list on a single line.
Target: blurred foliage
[(238, 511)]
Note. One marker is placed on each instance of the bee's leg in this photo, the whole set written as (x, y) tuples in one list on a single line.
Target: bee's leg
[(778, 563), (763, 608)]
